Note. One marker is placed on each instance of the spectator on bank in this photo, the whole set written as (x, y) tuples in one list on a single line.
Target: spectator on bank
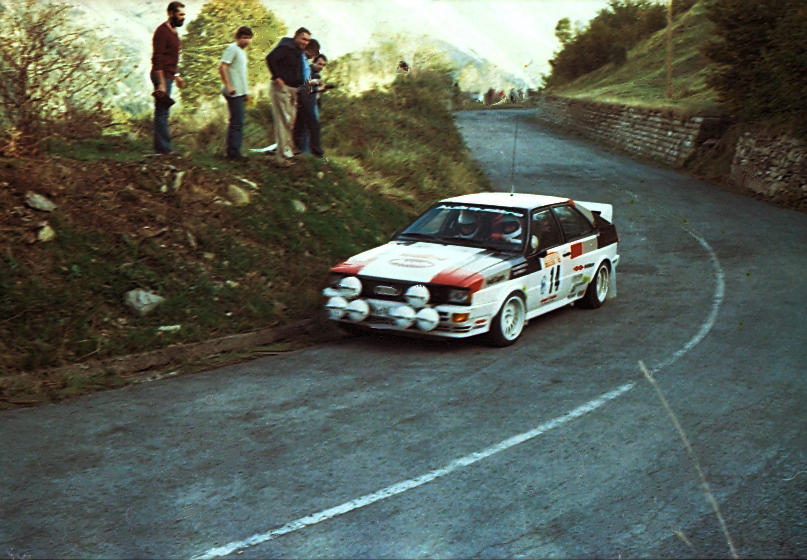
[(164, 62), (300, 132), (285, 62), (307, 129), (233, 73)]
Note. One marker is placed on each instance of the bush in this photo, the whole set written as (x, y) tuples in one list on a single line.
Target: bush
[(760, 58), (51, 77)]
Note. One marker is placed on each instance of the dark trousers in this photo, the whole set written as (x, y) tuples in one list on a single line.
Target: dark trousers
[(235, 132), (162, 137), (306, 124)]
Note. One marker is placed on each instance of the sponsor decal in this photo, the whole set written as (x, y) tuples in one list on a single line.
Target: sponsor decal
[(411, 262), (577, 250), (578, 268), (498, 278), (544, 285), (551, 260), (550, 298)]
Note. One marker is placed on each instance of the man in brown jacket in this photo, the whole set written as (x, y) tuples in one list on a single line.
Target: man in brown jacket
[(164, 61)]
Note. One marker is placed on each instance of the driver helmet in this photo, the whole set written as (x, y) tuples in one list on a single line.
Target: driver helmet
[(467, 225), (511, 230)]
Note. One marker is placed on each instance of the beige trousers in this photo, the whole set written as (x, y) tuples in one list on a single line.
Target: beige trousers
[(284, 107)]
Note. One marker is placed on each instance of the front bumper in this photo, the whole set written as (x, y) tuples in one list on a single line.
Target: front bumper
[(455, 321)]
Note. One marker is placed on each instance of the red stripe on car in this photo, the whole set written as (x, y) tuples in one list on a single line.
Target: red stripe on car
[(349, 268), (459, 279)]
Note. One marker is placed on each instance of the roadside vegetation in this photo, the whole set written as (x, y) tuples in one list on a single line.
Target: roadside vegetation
[(231, 248), (744, 62), (738, 59)]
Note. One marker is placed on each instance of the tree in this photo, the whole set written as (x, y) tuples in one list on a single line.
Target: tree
[(210, 33), (607, 38), (760, 58), (563, 30), (50, 72)]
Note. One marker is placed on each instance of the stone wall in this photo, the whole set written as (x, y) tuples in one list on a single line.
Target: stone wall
[(647, 133), (773, 166)]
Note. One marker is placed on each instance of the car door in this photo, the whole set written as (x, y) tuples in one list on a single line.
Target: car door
[(578, 254), (545, 286)]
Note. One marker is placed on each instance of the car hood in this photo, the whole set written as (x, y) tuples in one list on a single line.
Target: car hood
[(421, 262)]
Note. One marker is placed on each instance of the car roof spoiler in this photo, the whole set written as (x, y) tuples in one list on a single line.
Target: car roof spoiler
[(606, 211)]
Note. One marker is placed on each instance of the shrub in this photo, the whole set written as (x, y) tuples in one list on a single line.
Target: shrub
[(50, 75), (760, 56)]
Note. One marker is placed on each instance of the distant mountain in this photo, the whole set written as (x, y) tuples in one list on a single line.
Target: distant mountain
[(129, 25)]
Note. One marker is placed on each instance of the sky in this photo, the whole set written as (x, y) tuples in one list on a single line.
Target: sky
[(518, 35)]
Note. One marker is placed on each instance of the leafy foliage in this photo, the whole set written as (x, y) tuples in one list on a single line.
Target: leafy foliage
[(211, 32), (52, 79), (405, 136), (760, 56), (607, 38)]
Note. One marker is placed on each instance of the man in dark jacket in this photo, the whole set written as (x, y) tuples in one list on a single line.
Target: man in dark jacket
[(164, 60), (285, 62)]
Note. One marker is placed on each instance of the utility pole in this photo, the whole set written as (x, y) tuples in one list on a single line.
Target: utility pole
[(668, 62)]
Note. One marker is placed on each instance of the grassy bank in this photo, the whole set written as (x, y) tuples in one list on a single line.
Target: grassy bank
[(127, 220)]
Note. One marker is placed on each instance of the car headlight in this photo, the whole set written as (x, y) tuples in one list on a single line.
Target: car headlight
[(404, 316), (459, 295), (357, 310), (417, 296), (427, 319)]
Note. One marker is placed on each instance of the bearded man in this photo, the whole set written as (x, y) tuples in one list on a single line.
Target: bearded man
[(164, 61)]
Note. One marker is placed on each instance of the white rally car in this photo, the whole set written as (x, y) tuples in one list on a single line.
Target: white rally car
[(480, 263)]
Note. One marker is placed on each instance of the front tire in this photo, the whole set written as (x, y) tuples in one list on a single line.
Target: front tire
[(509, 322), (597, 289)]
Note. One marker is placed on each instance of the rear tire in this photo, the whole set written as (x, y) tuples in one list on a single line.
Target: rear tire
[(508, 324), (597, 289)]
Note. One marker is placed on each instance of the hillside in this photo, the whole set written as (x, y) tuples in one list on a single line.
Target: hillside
[(641, 80), (230, 248)]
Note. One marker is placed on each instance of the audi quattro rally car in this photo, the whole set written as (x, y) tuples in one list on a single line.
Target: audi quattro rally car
[(480, 263)]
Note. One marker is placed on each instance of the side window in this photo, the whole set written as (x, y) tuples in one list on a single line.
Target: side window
[(546, 228), (573, 223)]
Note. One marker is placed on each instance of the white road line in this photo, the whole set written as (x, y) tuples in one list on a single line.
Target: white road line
[(717, 300), (406, 485), (457, 464)]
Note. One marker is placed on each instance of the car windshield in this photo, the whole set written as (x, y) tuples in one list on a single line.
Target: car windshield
[(498, 229)]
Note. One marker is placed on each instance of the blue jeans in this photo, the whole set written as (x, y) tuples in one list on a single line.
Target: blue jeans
[(235, 132), (162, 138)]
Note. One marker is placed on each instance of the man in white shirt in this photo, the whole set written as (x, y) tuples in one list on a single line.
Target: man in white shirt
[(233, 72)]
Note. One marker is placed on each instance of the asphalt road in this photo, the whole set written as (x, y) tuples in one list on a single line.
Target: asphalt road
[(383, 447)]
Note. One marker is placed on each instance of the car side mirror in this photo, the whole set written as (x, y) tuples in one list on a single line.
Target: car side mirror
[(534, 242)]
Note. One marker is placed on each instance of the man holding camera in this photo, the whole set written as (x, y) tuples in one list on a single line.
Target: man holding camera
[(164, 61)]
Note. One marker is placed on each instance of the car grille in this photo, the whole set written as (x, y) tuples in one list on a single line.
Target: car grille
[(391, 290)]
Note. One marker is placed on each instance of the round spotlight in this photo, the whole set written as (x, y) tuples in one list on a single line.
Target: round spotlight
[(417, 296), (427, 319), (403, 316), (336, 307), (357, 310), (349, 287)]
